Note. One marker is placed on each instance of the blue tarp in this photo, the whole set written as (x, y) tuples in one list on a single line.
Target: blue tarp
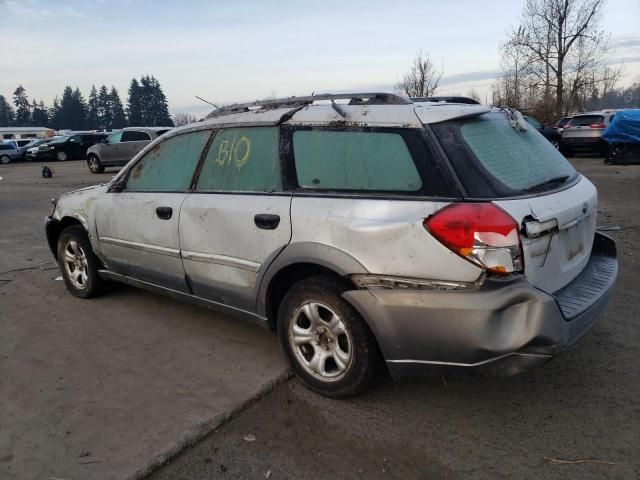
[(624, 128)]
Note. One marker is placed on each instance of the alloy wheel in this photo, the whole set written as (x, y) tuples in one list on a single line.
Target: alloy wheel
[(75, 264), (321, 342)]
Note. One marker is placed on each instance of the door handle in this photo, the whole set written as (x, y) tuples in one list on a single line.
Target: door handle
[(164, 213), (266, 221)]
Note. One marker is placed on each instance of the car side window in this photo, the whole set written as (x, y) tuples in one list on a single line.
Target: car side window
[(170, 165), (242, 160), (356, 160), (134, 136), (115, 138)]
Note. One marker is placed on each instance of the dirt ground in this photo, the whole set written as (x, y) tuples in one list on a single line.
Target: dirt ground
[(583, 408), (105, 388)]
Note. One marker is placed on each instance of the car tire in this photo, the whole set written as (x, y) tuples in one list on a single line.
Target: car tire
[(567, 152), (78, 264), (327, 342), (94, 164), (62, 156), (5, 159)]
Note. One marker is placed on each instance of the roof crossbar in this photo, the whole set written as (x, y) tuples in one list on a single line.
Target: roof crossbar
[(370, 98)]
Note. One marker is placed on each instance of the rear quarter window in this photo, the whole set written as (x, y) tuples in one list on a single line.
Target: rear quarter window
[(355, 161)]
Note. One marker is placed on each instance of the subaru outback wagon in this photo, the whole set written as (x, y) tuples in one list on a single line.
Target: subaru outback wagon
[(365, 230)]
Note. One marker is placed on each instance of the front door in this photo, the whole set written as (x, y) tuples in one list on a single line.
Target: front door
[(138, 227), (237, 220)]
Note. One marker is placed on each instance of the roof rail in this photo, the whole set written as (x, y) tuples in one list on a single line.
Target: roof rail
[(369, 98), (449, 99)]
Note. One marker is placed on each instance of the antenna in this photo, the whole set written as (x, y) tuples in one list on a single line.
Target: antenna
[(206, 101)]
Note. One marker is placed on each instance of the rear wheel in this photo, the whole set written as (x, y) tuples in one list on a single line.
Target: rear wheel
[(4, 159), (94, 164), (61, 156), (328, 344), (78, 263)]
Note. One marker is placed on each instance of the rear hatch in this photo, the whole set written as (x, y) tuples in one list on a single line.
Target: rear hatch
[(584, 127), (523, 174)]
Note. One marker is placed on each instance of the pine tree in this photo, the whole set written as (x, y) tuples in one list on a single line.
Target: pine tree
[(159, 106), (54, 115), (119, 120), (93, 119), (6, 113), (23, 109), (66, 114), (39, 115), (79, 110), (104, 108), (134, 107)]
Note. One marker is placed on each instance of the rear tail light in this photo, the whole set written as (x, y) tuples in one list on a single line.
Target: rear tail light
[(566, 126), (481, 233), (597, 125)]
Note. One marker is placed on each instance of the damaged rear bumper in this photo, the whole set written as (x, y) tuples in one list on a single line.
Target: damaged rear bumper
[(503, 328)]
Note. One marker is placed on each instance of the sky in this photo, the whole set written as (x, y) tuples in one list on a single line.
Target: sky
[(245, 50)]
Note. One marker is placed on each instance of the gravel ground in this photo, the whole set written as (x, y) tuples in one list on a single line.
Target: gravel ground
[(582, 406)]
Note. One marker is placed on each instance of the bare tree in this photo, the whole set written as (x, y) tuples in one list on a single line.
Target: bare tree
[(421, 80), (555, 34), (180, 119), (473, 94)]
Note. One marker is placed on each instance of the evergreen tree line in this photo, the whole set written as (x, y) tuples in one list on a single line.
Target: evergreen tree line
[(146, 106)]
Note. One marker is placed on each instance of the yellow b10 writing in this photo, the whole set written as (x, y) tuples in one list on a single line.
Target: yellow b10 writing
[(237, 151)]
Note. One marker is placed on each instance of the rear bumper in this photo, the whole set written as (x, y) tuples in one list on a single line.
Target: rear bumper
[(587, 143), (502, 328)]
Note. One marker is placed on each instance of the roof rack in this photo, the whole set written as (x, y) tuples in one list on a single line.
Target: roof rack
[(450, 99), (369, 98)]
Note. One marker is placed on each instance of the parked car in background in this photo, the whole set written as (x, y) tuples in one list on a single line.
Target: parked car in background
[(9, 152), (550, 133), (69, 147), (559, 125), (120, 147), (583, 133), (32, 148), (346, 228), (21, 145), (623, 137)]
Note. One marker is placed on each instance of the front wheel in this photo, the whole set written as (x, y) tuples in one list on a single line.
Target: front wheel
[(326, 341), (61, 156), (78, 263), (94, 164), (4, 159)]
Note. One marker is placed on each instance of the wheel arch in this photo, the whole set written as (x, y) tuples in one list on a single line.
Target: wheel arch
[(55, 227), (297, 262)]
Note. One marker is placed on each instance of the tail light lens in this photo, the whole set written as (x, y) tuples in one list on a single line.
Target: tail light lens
[(567, 126), (481, 233), (597, 125)]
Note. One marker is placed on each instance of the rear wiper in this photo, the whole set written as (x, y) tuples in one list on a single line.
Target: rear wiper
[(546, 183)]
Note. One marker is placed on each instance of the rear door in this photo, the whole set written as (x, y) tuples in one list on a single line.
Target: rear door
[(524, 175), (138, 227), (237, 220)]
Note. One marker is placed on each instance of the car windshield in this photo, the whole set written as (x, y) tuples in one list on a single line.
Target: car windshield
[(518, 160), (61, 139)]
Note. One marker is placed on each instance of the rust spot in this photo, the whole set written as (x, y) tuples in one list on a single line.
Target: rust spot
[(137, 171)]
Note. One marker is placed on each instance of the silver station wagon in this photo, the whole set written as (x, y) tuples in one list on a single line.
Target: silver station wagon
[(364, 229)]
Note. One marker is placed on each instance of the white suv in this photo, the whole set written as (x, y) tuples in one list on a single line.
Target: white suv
[(361, 228)]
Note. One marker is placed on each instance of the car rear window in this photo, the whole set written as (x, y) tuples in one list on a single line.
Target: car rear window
[(493, 159), (370, 161), (586, 120)]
